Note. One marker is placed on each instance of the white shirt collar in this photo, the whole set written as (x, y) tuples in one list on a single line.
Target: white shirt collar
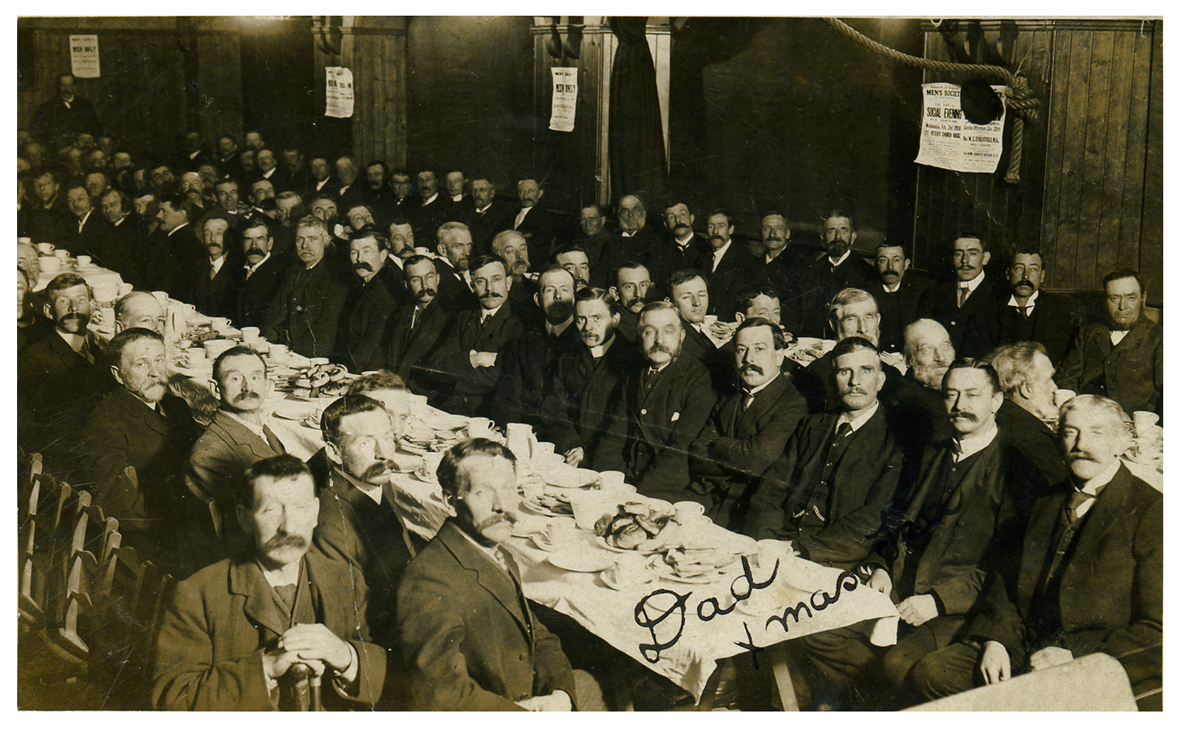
[(684, 243), (372, 491), (1094, 486), (484, 209), (217, 263), (120, 221), (1029, 304), (433, 198), (82, 222), (894, 288), (859, 421), (253, 268), (174, 229), (485, 314), (488, 551), (841, 259), (972, 284), (600, 350), (965, 448), (555, 330), (752, 392), (457, 198), (720, 253)]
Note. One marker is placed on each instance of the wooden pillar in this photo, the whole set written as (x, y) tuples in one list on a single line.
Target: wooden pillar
[(578, 161), (215, 102), (374, 49)]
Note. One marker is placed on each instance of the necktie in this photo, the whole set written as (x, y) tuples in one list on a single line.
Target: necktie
[(414, 317), (273, 440), (1076, 499), (844, 429), (963, 296), (212, 272), (1024, 311)]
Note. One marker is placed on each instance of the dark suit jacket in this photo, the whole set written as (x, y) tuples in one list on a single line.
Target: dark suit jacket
[(467, 636), (585, 407), (1130, 373), (253, 295), (1111, 596), (485, 226), (540, 227), (663, 422), (819, 282), (917, 417), (594, 247), (305, 312), (646, 246), (124, 431), (962, 540), (57, 125), (330, 188), (220, 621), (898, 309), (528, 372), (974, 328), (410, 348), (213, 296), (732, 277), (363, 336), (368, 537), (121, 244), (864, 482), (168, 261), (697, 254), (453, 288), (88, 241), (1055, 320), (52, 225), (451, 362), (1029, 435), (738, 445)]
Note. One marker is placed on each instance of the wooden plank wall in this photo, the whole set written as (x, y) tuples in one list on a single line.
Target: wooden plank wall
[(1091, 179)]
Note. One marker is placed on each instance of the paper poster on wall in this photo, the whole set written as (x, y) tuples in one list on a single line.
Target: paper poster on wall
[(565, 98), (339, 94), (949, 141), (84, 57)]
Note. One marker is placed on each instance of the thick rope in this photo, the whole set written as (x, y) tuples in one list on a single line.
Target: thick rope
[(1017, 94)]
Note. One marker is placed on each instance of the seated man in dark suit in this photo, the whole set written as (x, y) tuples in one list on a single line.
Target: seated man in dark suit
[(692, 250), (121, 238), (173, 249), (305, 312), (780, 265), (209, 285), (840, 472), (359, 524), (1028, 413), (897, 294), (748, 430), (636, 241), (574, 259), (535, 223), (470, 357), (583, 415), (729, 268), (630, 284), (960, 517), (87, 228), (1032, 315), (593, 224), (236, 438), (468, 638), (527, 372), (915, 408), (852, 313), (231, 633), (668, 402), (1089, 577), (488, 216), (260, 274), (822, 279), (1123, 358), (372, 301), (140, 425), (968, 307), (417, 327), (690, 294), (61, 376), (455, 246)]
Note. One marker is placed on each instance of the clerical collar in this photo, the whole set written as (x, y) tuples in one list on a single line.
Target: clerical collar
[(599, 350), (433, 198), (894, 288), (1096, 484), (555, 330), (373, 492), (839, 260), (972, 284), (965, 448), (856, 422), (1029, 303)]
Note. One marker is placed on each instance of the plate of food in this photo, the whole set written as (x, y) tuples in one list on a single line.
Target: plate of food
[(693, 562), (549, 503), (582, 559), (643, 525), (563, 475)]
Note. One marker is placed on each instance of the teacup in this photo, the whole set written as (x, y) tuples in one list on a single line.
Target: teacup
[(125, 288), (1062, 395), (25, 240), (612, 480), (83, 261), (630, 570), (45, 248), (560, 531), (688, 511), (478, 427), (214, 347), (220, 324), (250, 334), (162, 297)]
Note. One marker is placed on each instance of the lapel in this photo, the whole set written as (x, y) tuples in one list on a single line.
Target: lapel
[(1108, 508), (764, 401), (239, 437), (489, 576), (138, 411), (1038, 536), (1131, 342), (246, 580)]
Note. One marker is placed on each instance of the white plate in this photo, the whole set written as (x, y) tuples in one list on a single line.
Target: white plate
[(565, 476), (536, 507), (583, 559), (293, 413), (446, 422), (608, 577)]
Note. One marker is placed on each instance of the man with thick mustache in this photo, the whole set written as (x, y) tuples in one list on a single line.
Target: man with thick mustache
[(468, 639), (1034, 315), (730, 267), (358, 521), (259, 277), (692, 250), (630, 283), (469, 359), (140, 425), (826, 494), (371, 303), (535, 223), (779, 266), (530, 361), (232, 632), (1089, 577), (575, 260), (488, 215), (967, 307), (417, 327), (60, 377), (953, 525), (208, 284), (668, 402), (583, 414), (838, 269), (512, 247), (747, 431), (237, 437), (897, 294), (305, 311)]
